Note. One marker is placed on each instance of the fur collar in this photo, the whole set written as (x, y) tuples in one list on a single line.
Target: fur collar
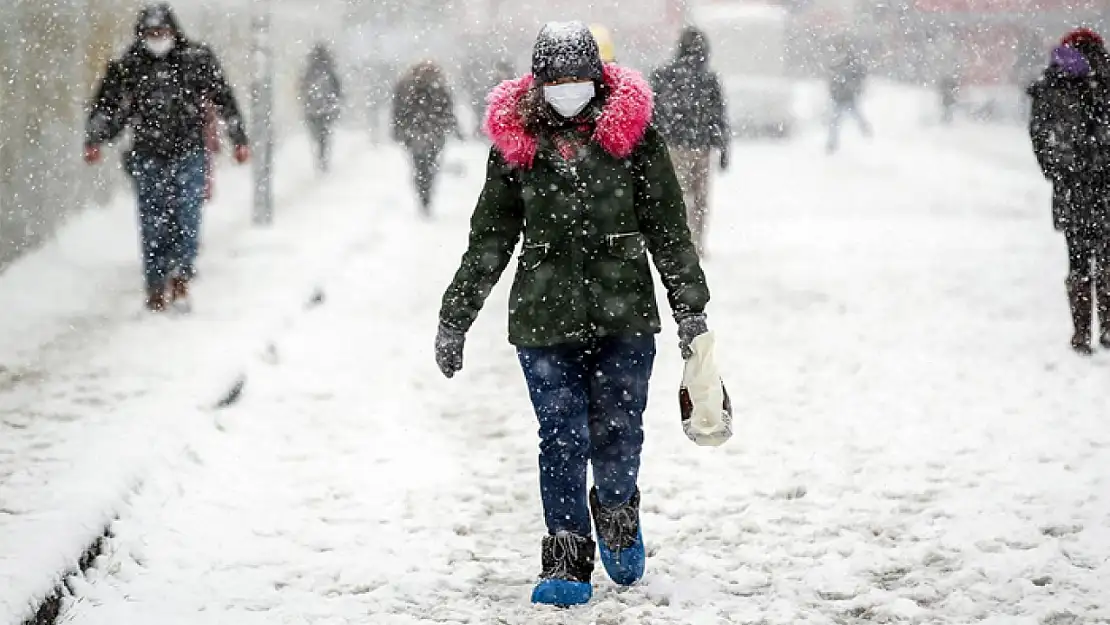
[(618, 130)]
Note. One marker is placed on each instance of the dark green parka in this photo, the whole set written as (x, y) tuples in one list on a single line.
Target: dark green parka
[(588, 222)]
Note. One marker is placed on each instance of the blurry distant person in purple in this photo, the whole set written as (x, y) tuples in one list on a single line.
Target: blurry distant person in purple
[(1068, 128)]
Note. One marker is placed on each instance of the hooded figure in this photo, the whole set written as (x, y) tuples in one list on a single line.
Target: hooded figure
[(423, 116), (580, 178), (690, 114), (321, 96), (1069, 132), (162, 88)]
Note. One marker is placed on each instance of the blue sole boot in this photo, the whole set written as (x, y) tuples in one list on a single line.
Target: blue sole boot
[(562, 593), (568, 564), (620, 539)]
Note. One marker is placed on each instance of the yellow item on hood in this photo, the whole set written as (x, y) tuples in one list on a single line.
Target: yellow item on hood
[(604, 43)]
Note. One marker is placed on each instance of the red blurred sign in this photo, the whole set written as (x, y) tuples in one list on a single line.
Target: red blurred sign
[(1006, 6)]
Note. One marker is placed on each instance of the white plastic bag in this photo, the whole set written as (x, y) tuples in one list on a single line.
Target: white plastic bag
[(702, 398)]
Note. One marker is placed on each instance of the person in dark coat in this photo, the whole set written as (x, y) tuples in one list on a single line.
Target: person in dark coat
[(321, 96), (577, 172), (848, 75), (1070, 137), (690, 114), (160, 88), (423, 117)]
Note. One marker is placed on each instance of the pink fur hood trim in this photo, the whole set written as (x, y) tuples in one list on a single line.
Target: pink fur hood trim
[(618, 130)]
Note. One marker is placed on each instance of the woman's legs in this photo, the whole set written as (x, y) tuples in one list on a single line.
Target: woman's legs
[(620, 371), (589, 399), (619, 375), (558, 384), (1081, 249)]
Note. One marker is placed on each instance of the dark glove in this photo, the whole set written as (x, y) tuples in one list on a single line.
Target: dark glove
[(449, 350), (724, 159), (689, 328)]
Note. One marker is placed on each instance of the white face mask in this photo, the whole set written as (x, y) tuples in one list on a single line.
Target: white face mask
[(159, 46), (570, 98)]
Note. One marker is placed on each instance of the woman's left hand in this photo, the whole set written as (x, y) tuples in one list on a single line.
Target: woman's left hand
[(689, 328)]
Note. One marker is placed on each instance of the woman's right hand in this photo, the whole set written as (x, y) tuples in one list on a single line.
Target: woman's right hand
[(449, 350)]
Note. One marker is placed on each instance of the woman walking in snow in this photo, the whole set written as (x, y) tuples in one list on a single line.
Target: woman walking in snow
[(1070, 109), (578, 171)]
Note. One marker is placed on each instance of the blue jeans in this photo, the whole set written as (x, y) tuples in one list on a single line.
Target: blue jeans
[(170, 194), (590, 400)]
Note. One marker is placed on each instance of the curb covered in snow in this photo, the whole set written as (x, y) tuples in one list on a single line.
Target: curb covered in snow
[(47, 610), (50, 608)]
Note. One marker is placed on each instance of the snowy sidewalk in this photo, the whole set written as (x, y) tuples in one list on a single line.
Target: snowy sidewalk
[(916, 445), (93, 389)]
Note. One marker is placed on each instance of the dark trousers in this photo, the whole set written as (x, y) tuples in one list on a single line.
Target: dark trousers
[(425, 168), (170, 194), (840, 109), (320, 129), (1081, 211), (590, 400)]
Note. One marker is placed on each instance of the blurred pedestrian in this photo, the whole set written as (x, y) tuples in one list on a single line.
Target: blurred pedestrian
[(423, 117), (605, 45), (321, 97), (690, 114), (847, 78), (948, 92), (159, 88), (1069, 132), (577, 170)]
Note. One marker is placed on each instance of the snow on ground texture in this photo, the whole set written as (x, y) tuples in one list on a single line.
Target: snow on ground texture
[(93, 390), (916, 444)]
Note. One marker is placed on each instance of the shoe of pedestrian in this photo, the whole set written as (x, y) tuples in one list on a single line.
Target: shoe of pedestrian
[(1081, 344), (179, 293), (620, 538), (568, 564), (156, 300), (1079, 300)]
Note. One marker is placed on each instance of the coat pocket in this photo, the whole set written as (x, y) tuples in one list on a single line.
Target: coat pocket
[(626, 246), (532, 255)]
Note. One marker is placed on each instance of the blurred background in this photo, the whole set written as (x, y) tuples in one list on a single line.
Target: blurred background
[(51, 54)]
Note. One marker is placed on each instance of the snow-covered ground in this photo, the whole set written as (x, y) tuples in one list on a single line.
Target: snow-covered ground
[(916, 443), (93, 390)]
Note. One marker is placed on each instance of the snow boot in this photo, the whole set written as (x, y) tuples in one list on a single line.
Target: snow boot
[(568, 564), (1102, 295), (179, 293), (156, 300), (620, 538), (1079, 298)]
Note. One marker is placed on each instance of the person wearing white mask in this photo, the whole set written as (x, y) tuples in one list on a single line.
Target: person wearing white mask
[(578, 172), (162, 88)]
